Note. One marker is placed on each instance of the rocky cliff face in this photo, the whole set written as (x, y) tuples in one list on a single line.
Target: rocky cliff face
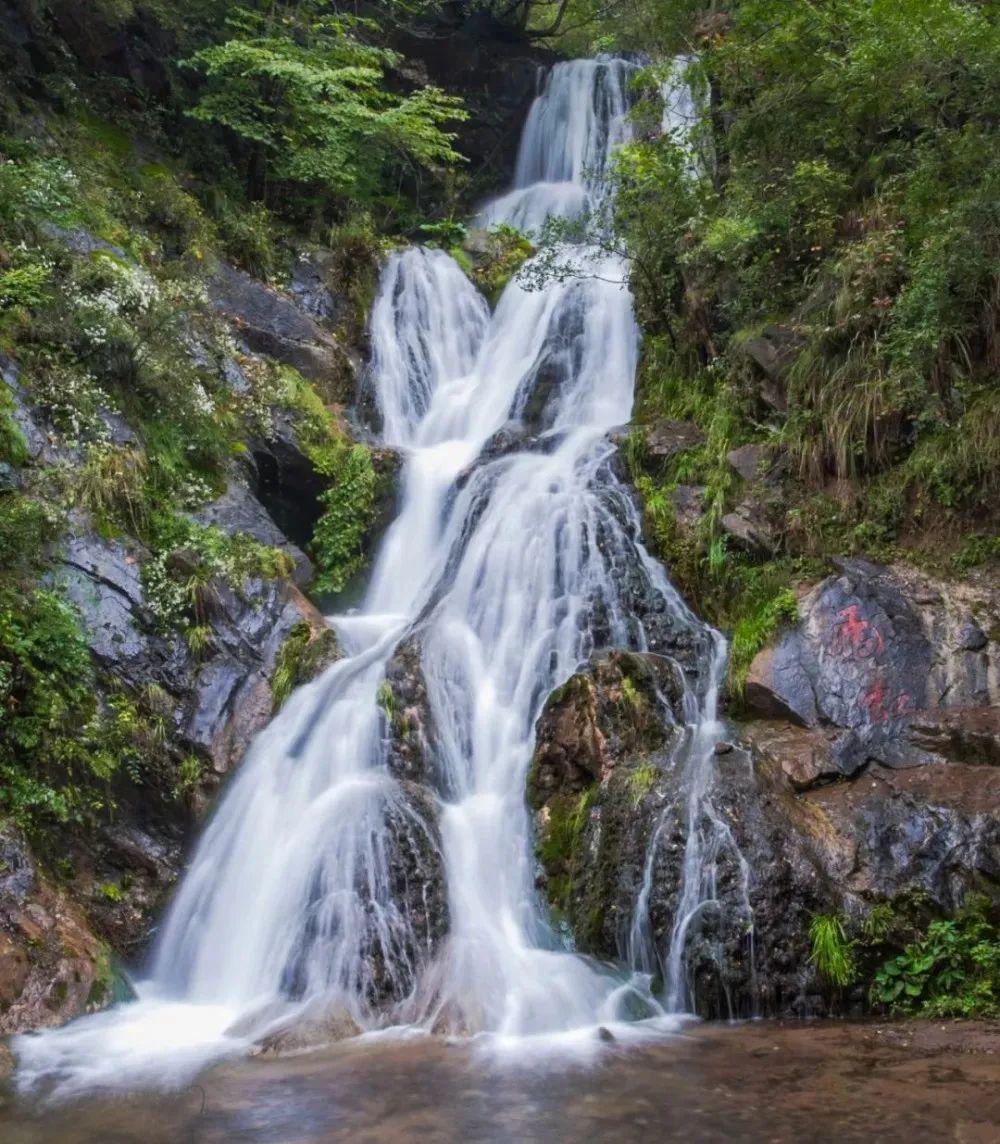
[(866, 775), (92, 894)]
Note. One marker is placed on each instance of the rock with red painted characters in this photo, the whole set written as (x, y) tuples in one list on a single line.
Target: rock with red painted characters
[(873, 646)]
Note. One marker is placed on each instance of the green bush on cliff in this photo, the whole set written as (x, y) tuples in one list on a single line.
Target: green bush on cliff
[(845, 192), (952, 970), (55, 750)]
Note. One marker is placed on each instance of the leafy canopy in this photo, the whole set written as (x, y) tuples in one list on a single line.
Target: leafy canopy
[(302, 87)]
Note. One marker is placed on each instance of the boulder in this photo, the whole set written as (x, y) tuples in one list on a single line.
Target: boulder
[(873, 646), (747, 527), (271, 322), (665, 439), (689, 504), (407, 720), (52, 967), (310, 287), (807, 757), (773, 351), (751, 462)]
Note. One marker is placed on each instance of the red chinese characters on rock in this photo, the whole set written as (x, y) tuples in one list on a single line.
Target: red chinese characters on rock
[(852, 637)]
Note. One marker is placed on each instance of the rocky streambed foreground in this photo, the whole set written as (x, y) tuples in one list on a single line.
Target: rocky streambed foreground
[(765, 1081)]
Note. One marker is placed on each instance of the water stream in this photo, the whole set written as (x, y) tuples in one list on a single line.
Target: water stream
[(506, 567)]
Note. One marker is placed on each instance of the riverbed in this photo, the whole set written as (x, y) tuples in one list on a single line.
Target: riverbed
[(763, 1081)]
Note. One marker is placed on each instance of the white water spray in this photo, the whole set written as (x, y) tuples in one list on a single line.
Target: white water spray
[(505, 572)]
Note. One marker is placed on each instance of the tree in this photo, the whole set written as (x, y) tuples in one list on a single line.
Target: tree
[(309, 96)]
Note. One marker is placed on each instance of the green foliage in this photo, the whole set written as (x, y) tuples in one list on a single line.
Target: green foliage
[(309, 97), (832, 952), (24, 286), (755, 630), (190, 560), (349, 506), (57, 747), (27, 526), (953, 970), (304, 654), (843, 188), (351, 499), (504, 253)]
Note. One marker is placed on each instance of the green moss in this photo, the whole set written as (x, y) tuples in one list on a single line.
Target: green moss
[(506, 250), (641, 780), (567, 817), (755, 630), (304, 655)]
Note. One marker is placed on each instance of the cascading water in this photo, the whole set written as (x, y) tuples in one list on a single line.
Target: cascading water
[(325, 878)]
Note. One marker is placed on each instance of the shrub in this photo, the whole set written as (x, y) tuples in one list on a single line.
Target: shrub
[(951, 971), (832, 952)]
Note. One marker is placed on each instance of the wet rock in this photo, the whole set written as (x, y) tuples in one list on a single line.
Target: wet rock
[(780, 683), (52, 967), (866, 655), (411, 751), (601, 741), (934, 829), (969, 735), (405, 909), (271, 323), (284, 479), (238, 510), (307, 1031), (613, 707), (310, 288), (807, 757), (211, 704)]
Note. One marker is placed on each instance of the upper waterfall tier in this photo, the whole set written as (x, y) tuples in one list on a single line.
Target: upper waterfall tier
[(571, 132)]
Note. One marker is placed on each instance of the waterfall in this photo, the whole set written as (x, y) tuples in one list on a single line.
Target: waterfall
[(328, 878)]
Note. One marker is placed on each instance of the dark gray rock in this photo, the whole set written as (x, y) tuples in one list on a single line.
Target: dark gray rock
[(689, 504), (971, 637), (969, 735), (752, 462), (272, 323), (859, 659), (79, 240), (238, 510), (774, 350), (311, 290), (407, 720)]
